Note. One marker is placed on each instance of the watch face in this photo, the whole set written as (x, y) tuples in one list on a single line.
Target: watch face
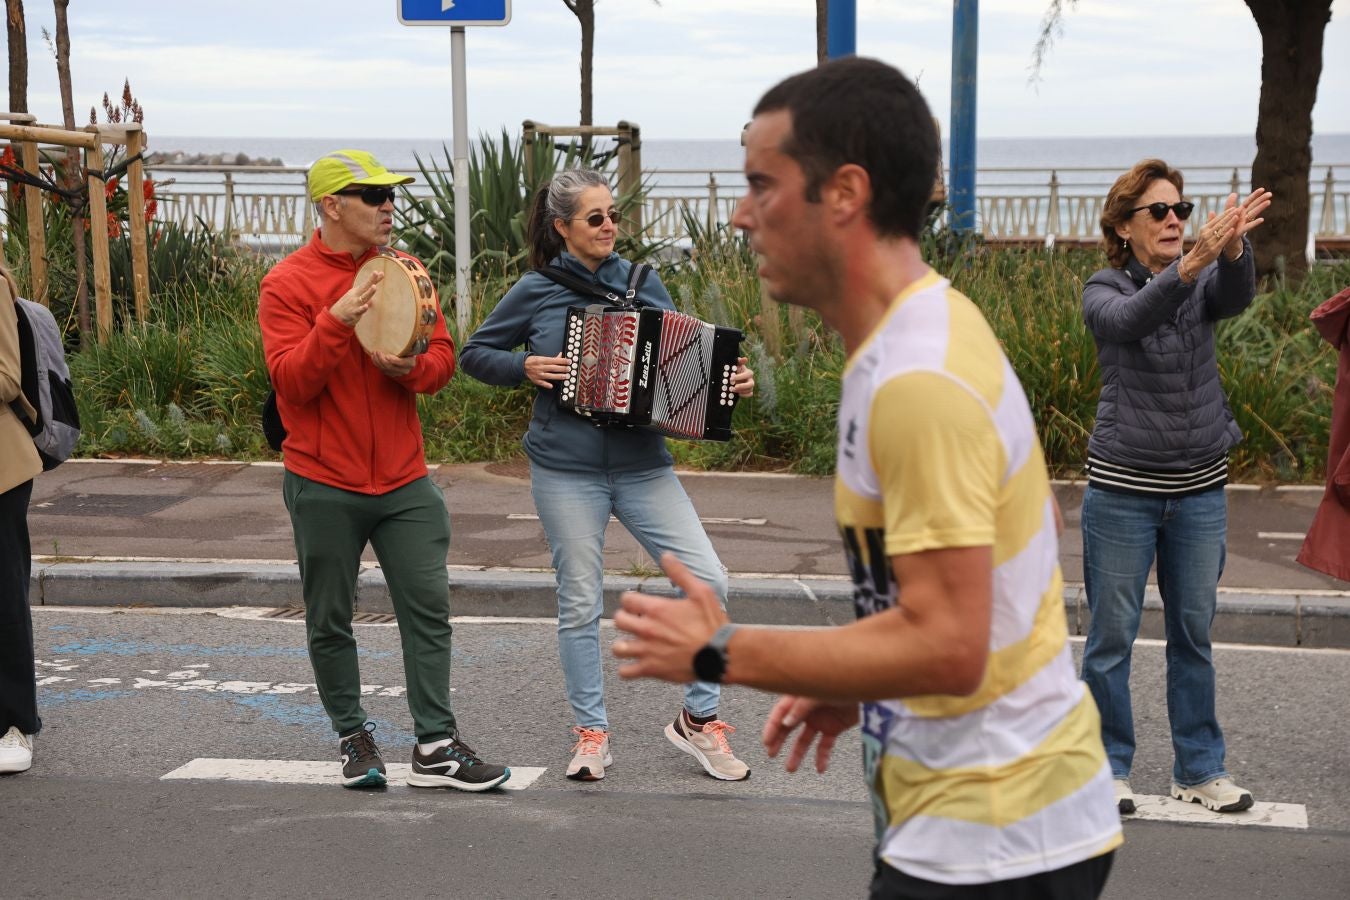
[(709, 665)]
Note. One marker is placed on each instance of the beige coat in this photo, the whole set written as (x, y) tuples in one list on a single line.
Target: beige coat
[(19, 459)]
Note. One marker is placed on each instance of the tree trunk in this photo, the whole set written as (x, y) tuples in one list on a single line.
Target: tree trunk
[(584, 10), (74, 171), (1291, 65), (18, 56), (822, 31)]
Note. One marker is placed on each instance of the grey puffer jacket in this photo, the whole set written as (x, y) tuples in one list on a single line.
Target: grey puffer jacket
[(1162, 406)]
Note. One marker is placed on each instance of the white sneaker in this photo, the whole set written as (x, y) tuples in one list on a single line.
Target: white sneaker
[(16, 751), (1124, 796), (709, 746), (590, 754), (1220, 795)]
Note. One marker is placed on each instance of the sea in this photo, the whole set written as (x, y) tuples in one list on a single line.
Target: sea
[(1109, 155)]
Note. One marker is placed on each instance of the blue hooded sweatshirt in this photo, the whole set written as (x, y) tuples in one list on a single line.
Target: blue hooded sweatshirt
[(533, 315)]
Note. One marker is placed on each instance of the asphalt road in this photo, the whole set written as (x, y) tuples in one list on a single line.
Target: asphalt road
[(130, 695)]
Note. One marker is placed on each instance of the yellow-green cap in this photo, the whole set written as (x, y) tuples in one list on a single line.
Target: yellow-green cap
[(343, 168)]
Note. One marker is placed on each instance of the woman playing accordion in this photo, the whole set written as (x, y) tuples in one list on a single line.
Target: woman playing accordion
[(581, 474)]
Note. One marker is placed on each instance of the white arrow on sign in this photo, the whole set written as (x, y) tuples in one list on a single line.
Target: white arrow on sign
[(447, 5)]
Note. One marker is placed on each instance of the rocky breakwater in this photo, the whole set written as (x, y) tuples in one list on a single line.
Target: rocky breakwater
[(180, 158)]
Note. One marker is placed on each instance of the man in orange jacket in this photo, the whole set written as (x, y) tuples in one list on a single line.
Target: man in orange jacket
[(356, 473)]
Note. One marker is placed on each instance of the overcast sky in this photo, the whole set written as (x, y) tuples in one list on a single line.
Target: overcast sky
[(681, 69)]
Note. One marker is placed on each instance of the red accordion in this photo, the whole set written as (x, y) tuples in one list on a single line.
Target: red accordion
[(652, 368)]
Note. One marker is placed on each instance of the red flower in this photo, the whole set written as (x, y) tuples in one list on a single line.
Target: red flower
[(10, 163)]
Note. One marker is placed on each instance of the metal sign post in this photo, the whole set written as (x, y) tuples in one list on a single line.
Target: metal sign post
[(965, 60), (458, 14), (841, 30)]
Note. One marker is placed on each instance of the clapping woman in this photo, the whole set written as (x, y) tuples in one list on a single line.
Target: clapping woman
[(1158, 461)]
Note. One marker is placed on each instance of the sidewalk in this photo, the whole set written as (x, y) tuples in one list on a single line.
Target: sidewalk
[(151, 533)]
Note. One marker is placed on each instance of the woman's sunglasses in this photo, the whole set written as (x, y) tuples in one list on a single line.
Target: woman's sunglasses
[(595, 220), (371, 196), (1159, 210)]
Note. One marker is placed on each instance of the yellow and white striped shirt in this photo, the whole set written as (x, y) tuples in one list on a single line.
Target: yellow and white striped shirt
[(938, 448)]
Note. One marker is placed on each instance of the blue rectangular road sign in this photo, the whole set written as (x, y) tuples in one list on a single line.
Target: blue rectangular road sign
[(454, 12)]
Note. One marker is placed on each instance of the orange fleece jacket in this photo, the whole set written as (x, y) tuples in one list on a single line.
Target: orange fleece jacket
[(348, 424)]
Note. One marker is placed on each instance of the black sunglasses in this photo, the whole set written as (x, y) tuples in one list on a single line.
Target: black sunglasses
[(1159, 210), (595, 220), (371, 196)]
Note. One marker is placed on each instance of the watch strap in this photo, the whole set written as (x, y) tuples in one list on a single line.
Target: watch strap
[(721, 636)]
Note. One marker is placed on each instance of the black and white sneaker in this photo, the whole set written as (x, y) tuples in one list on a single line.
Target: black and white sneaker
[(361, 763), (455, 765)]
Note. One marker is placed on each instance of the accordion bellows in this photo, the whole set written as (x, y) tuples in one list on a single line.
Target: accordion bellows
[(650, 368)]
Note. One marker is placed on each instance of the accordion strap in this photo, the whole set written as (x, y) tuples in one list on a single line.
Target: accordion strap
[(636, 277)]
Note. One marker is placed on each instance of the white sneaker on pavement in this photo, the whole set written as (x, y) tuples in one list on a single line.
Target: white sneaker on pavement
[(16, 751), (1220, 795), (709, 746), (590, 754), (1124, 796)]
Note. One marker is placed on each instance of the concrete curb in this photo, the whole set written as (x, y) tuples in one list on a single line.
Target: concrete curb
[(1308, 619)]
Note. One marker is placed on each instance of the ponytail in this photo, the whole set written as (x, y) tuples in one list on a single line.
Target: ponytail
[(545, 242)]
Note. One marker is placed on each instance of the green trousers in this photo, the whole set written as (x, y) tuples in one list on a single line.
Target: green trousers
[(409, 529)]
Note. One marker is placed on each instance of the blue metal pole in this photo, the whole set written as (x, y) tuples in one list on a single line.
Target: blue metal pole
[(965, 51), (842, 24)]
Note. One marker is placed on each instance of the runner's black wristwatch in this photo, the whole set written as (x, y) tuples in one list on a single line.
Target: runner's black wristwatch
[(710, 662)]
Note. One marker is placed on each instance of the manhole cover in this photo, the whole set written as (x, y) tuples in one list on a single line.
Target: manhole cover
[(512, 468), (107, 504), (361, 618)]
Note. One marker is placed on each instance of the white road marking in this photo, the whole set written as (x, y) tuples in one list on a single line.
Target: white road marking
[(260, 614), (1247, 648), (283, 771), (706, 520), (1281, 535), (1166, 809)]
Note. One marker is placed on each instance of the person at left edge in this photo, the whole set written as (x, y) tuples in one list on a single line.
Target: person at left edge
[(356, 474), (19, 464)]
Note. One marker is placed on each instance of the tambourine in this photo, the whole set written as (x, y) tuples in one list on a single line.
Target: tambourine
[(402, 313)]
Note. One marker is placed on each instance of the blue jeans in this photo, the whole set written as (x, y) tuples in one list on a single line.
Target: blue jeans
[(1122, 534), (574, 508)]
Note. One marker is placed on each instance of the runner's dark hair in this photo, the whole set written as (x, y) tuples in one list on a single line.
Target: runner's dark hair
[(867, 113)]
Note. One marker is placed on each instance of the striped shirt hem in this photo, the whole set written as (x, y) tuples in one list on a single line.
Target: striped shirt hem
[(1109, 476)]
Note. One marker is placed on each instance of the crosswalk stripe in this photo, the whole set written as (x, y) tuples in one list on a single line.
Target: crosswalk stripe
[(1167, 809), (289, 771), (706, 520)]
